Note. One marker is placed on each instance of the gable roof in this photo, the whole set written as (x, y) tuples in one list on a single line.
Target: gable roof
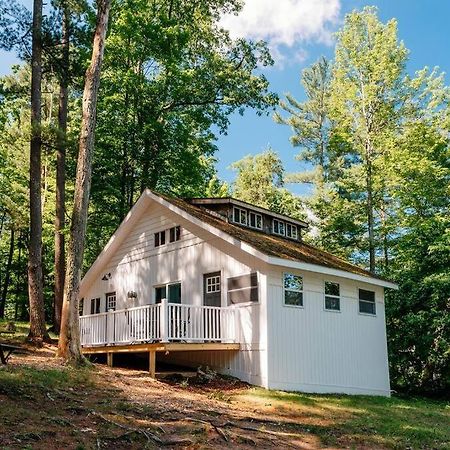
[(270, 248)]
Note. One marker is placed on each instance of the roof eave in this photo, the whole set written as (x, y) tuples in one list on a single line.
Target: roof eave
[(331, 271)]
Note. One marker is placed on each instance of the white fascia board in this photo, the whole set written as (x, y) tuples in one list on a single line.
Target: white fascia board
[(330, 271)]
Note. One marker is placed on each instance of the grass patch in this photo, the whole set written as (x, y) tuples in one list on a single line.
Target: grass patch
[(355, 420), (21, 331)]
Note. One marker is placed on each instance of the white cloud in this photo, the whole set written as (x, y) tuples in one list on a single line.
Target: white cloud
[(285, 22)]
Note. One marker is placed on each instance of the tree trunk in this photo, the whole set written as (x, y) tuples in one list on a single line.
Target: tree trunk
[(61, 175), (69, 340), (7, 275), (370, 218), (38, 331), (18, 278)]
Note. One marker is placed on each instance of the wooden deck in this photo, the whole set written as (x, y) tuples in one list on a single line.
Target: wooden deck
[(151, 349)]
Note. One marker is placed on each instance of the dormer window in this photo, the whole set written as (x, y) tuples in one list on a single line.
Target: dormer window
[(255, 220), (278, 227), (291, 231), (240, 216)]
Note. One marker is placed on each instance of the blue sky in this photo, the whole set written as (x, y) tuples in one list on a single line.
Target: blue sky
[(299, 31)]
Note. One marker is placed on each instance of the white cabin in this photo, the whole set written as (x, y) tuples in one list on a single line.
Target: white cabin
[(223, 283)]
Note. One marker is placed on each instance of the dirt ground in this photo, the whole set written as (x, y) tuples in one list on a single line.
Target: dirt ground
[(115, 408), (44, 405)]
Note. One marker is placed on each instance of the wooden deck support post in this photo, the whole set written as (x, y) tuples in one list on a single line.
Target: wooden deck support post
[(152, 363), (109, 358)]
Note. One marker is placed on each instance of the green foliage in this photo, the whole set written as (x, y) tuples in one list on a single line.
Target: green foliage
[(378, 143), (260, 181)]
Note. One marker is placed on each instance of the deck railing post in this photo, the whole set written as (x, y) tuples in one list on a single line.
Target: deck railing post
[(164, 320), (110, 326)]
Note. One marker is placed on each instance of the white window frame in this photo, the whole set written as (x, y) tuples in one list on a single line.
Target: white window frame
[(109, 296), (280, 222), (177, 236), (166, 287), (159, 233), (256, 215), (240, 212), (293, 234), (374, 303), (302, 306), (215, 285), (325, 295)]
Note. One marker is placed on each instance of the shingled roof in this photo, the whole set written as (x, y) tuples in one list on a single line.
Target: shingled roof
[(269, 244)]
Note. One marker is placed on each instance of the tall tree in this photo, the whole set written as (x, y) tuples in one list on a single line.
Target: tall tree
[(61, 168), (310, 123), (366, 98), (38, 330), (69, 341)]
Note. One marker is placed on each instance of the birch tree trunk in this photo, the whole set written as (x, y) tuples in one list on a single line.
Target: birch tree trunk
[(38, 331), (61, 174), (69, 341)]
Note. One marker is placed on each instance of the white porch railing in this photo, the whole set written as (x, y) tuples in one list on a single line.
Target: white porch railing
[(162, 322)]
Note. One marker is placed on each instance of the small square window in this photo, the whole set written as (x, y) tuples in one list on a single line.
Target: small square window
[(291, 231), (255, 220), (160, 238), (278, 227), (174, 234)]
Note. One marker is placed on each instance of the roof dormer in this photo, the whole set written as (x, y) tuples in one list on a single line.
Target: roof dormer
[(250, 216)]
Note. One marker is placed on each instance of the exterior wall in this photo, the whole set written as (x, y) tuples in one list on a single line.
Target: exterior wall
[(314, 350), (138, 266)]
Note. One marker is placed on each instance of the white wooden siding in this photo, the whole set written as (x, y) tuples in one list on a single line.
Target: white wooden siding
[(136, 265), (314, 350)]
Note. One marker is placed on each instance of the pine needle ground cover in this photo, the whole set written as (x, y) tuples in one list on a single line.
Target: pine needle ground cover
[(46, 405)]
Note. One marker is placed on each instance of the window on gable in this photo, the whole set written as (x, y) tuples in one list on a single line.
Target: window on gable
[(174, 234), (160, 238), (239, 216), (81, 307), (293, 289), (278, 227), (367, 302), (332, 296), (255, 220), (291, 231)]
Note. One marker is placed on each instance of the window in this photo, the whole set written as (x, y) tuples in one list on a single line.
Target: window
[(81, 307), (240, 216), (367, 302), (170, 291), (111, 301), (291, 231), (332, 296), (255, 220), (212, 284), (278, 227), (160, 238), (174, 293), (243, 289), (293, 289), (174, 234), (160, 293), (95, 305)]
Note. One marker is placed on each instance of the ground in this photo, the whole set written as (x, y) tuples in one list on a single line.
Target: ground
[(44, 405)]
